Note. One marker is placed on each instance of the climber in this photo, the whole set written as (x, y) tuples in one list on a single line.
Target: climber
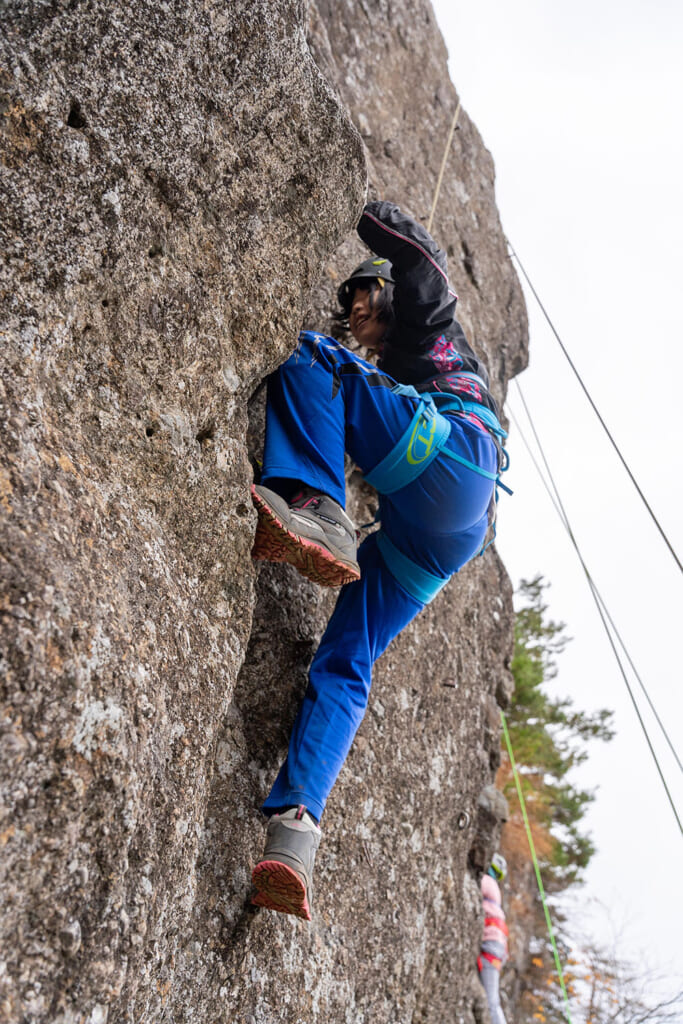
[(494, 945), (429, 445)]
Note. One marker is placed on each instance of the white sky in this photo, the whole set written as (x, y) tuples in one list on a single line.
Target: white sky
[(580, 106)]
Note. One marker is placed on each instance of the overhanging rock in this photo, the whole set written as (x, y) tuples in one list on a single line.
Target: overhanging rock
[(176, 180)]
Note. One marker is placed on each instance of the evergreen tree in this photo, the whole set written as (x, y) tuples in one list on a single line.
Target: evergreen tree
[(548, 738)]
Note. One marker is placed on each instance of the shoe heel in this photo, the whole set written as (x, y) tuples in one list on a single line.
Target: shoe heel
[(279, 887)]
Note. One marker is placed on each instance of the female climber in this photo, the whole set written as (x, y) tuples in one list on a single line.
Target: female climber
[(422, 427), (494, 943)]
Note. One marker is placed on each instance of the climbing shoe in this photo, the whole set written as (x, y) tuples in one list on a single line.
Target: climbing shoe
[(313, 533), (283, 878)]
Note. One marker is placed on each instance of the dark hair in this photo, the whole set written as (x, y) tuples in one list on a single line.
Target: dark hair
[(381, 299)]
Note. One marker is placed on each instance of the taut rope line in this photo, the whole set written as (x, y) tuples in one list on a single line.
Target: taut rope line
[(443, 167)]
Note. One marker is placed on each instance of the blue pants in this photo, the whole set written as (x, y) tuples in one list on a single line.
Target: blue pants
[(322, 402)]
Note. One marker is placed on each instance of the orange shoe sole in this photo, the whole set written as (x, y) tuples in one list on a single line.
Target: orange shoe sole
[(280, 888), (274, 542)]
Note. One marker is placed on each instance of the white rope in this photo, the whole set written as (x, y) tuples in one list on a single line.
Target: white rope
[(443, 167)]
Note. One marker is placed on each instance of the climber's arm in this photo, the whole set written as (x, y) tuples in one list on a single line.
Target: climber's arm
[(424, 302)]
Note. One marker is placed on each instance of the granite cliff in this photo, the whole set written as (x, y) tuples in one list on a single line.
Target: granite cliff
[(180, 184)]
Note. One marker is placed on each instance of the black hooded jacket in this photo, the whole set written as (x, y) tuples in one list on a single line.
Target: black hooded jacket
[(427, 346)]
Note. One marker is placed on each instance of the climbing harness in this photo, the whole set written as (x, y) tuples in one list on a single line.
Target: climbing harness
[(420, 584), (416, 449), (496, 961), (426, 437), (421, 443)]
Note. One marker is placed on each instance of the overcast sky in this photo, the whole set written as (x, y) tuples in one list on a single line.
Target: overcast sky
[(580, 106)]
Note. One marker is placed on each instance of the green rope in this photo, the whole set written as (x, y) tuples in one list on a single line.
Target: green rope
[(541, 890)]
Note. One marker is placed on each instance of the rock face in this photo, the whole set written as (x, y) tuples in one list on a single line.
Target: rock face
[(176, 183)]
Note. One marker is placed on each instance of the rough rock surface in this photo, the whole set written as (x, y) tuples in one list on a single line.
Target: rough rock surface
[(176, 179)]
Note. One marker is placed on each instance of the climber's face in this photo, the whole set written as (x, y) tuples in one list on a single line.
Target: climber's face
[(366, 327)]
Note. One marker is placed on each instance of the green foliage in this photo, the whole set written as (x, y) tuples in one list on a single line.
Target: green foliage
[(548, 737)]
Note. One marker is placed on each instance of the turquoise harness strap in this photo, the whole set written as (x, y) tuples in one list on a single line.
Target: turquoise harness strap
[(453, 403), (425, 437), (422, 585), (470, 465)]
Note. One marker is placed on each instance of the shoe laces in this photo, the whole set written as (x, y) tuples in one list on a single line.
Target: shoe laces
[(304, 500)]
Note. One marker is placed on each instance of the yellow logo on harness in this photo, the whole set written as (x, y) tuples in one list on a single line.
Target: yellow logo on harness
[(420, 445)]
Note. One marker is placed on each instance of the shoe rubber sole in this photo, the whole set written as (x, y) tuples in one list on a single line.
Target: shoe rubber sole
[(274, 542), (279, 887)]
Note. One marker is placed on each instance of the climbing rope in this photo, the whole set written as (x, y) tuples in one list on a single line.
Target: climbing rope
[(562, 346), (443, 167), (539, 880), (602, 609), (595, 410), (559, 507)]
